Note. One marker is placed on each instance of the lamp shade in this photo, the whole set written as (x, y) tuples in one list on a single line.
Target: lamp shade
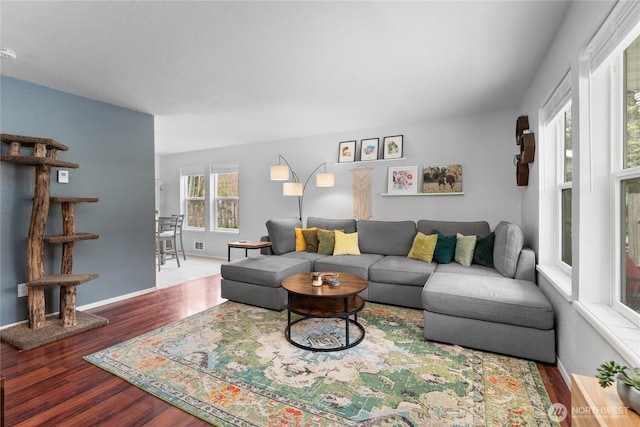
[(279, 173), (325, 180), (292, 189)]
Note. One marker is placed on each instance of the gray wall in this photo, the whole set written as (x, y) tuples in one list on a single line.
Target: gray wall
[(580, 348), (115, 151), (484, 145)]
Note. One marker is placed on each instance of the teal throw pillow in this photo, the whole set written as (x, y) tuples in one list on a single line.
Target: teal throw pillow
[(445, 248), (483, 254)]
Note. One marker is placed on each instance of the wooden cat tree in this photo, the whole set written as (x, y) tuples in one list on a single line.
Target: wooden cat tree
[(43, 158)]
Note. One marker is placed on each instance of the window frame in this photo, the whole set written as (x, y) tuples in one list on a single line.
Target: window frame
[(619, 254), (614, 68), (561, 185), (214, 171), (551, 184), (185, 173)]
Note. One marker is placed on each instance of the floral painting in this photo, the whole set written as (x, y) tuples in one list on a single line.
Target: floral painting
[(403, 180)]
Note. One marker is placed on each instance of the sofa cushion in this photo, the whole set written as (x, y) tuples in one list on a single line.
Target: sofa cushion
[(465, 246), (401, 270), (310, 239), (386, 237), (346, 244), (423, 247), (309, 256), (492, 299), (353, 264), (507, 245), (282, 234), (479, 228), (265, 270), (326, 241), (347, 225), (481, 270), (301, 243), (445, 248), (483, 254)]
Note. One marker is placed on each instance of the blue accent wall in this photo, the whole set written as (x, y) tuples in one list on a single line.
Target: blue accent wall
[(114, 147)]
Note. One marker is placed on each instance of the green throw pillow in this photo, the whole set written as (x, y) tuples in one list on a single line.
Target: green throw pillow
[(483, 254), (465, 246), (326, 241), (311, 239), (423, 247), (445, 248)]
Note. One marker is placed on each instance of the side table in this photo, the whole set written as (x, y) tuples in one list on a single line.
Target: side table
[(592, 405), (246, 245)]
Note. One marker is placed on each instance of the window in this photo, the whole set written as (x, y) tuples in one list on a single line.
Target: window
[(607, 175), (629, 176), (556, 152), (193, 193), (565, 187), (225, 212)]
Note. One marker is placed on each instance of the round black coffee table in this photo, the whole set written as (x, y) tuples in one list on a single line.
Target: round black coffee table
[(313, 302)]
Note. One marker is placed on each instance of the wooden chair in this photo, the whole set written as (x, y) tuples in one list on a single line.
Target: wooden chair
[(166, 247), (179, 233)]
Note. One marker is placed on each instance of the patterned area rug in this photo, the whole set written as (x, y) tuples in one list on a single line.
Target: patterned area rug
[(231, 365)]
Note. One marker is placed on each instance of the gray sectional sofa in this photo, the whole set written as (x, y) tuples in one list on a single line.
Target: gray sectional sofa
[(498, 309)]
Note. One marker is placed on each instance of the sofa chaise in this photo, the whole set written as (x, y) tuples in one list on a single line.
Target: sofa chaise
[(494, 306)]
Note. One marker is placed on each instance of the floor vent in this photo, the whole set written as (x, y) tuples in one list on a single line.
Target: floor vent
[(198, 246)]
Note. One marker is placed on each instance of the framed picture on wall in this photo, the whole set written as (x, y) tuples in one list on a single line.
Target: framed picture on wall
[(392, 147), (347, 152), (369, 149), (442, 179), (403, 180)]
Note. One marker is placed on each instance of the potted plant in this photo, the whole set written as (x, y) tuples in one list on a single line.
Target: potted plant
[(627, 382)]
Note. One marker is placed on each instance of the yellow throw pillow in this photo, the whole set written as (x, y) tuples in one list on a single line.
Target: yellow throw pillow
[(301, 244), (346, 244), (423, 247)]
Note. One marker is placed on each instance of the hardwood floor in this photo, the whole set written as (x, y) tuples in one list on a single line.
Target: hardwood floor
[(53, 386)]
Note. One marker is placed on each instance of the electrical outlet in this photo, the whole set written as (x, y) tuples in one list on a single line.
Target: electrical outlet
[(23, 291)]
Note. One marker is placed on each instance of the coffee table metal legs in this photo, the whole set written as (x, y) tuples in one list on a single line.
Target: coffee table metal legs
[(347, 320)]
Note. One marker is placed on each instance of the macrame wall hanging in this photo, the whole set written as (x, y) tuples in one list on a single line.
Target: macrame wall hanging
[(362, 192)]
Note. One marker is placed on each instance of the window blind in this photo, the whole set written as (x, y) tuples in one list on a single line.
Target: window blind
[(224, 168), (622, 19), (558, 99)]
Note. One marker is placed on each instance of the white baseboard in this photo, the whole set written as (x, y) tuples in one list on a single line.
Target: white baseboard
[(566, 376), (94, 304), (116, 299)]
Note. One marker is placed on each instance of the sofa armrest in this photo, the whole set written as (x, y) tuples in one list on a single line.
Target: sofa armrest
[(526, 269), (267, 250)]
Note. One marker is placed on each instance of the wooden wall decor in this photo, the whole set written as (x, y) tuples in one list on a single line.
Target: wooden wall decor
[(528, 148), (522, 174), (522, 124), (527, 142)]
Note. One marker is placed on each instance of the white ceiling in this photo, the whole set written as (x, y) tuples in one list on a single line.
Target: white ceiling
[(217, 73)]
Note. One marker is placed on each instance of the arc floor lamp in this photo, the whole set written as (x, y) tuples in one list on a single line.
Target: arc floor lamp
[(294, 186)]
